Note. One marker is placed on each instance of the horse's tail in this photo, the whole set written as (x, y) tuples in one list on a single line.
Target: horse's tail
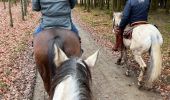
[(51, 54), (156, 58)]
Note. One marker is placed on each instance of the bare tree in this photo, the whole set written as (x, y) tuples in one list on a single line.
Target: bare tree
[(10, 13), (22, 9), (167, 7), (4, 4), (25, 7)]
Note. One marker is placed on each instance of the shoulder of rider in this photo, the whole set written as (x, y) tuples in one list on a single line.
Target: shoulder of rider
[(72, 3)]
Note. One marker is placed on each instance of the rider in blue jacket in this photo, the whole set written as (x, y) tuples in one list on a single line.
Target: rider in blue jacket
[(135, 12)]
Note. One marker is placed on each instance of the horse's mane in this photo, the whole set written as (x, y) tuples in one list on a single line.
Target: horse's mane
[(79, 72), (55, 41)]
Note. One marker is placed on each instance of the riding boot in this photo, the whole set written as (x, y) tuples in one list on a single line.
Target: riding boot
[(119, 42)]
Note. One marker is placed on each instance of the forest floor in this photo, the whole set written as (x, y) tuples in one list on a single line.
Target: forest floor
[(17, 67)]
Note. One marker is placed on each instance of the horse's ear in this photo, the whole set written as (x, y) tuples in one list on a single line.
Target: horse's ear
[(60, 56), (91, 60)]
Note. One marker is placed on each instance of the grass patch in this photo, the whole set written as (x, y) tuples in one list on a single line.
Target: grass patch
[(3, 85), (21, 46)]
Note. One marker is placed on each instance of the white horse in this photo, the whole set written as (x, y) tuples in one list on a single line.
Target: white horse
[(73, 77), (145, 38)]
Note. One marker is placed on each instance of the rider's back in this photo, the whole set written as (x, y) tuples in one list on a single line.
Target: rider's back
[(139, 10), (55, 13)]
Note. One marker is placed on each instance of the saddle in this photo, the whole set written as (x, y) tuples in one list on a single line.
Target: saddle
[(127, 34)]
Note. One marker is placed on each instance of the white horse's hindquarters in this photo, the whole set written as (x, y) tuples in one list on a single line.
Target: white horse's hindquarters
[(141, 37)]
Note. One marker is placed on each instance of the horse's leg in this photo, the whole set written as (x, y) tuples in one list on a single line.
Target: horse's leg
[(142, 64), (125, 57), (121, 56), (45, 77)]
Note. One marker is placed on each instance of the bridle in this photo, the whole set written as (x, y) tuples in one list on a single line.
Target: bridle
[(114, 25)]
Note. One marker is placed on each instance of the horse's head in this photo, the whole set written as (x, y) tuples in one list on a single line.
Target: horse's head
[(61, 57), (116, 19), (73, 78)]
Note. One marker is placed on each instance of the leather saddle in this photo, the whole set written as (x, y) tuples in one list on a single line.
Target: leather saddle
[(127, 34)]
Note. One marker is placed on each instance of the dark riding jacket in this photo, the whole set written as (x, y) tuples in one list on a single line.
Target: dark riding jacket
[(55, 13), (135, 10)]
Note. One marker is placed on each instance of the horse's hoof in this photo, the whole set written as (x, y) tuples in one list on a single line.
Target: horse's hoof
[(148, 87), (118, 62), (127, 73), (140, 84), (140, 87)]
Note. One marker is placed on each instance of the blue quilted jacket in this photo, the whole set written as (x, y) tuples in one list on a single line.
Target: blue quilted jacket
[(135, 10)]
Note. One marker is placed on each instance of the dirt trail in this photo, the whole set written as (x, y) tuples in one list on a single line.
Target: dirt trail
[(109, 81)]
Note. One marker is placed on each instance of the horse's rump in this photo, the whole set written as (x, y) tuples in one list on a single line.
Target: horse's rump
[(43, 48), (70, 42)]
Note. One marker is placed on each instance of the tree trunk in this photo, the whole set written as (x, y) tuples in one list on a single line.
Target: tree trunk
[(81, 2), (118, 5), (85, 4), (4, 4), (101, 4), (115, 5), (154, 4), (92, 4), (167, 7), (95, 4), (25, 7), (108, 4), (15, 1), (88, 5), (10, 13), (22, 9), (112, 9)]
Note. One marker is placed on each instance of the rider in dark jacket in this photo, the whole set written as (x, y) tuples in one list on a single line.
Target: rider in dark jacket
[(135, 11)]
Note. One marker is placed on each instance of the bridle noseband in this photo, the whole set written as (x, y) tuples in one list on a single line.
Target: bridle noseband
[(114, 25)]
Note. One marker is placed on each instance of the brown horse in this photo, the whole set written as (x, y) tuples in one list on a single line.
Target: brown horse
[(44, 43)]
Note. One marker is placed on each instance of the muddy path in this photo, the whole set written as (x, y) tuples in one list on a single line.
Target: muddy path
[(109, 81)]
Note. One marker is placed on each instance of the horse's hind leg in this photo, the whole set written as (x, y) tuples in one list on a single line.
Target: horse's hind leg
[(142, 64), (125, 57), (45, 77), (120, 58), (122, 53)]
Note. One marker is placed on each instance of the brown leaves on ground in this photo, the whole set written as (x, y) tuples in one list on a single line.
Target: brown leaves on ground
[(17, 71), (99, 24)]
